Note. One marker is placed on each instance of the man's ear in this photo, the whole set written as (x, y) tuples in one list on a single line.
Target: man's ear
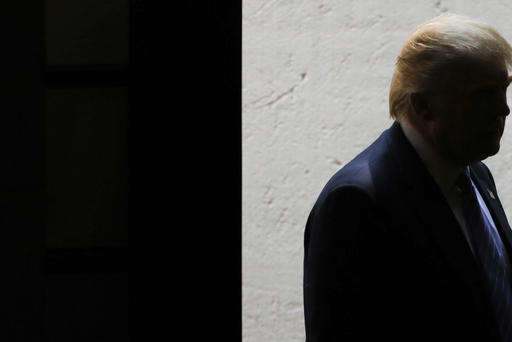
[(419, 103)]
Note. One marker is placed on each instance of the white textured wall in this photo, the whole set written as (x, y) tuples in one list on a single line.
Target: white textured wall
[(315, 82)]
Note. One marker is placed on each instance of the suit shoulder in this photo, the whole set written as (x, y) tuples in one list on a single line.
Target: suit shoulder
[(355, 177), (360, 172), (360, 177), (352, 186)]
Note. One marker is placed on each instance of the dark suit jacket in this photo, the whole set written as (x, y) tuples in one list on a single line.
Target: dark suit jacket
[(385, 258)]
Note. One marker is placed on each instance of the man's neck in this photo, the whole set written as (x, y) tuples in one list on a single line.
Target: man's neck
[(442, 170)]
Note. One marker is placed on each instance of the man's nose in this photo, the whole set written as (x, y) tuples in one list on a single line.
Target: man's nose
[(504, 109)]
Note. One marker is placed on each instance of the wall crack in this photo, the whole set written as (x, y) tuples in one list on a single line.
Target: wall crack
[(284, 94)]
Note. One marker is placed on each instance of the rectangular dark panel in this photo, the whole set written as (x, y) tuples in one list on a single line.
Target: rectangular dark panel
[(86, 167), (87, 32), (87, 307)]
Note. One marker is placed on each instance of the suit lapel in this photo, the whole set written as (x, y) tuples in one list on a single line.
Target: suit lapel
[(493, 204), (438, 220), (431, 207)]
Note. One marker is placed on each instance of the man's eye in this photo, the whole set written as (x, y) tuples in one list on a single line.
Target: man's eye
[(482, 93), (488, 91)]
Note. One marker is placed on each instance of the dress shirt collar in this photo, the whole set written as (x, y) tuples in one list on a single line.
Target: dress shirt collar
[(444, 173)]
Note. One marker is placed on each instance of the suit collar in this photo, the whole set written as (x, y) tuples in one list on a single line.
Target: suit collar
[(426, 194), (430, 205), (435, 216)]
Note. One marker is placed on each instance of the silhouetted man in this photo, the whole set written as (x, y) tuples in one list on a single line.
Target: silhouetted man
[(409, 241)]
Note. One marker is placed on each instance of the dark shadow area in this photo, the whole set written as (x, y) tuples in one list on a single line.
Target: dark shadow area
[(120, 184)]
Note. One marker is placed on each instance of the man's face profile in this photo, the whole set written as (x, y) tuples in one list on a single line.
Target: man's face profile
[(468, 113)]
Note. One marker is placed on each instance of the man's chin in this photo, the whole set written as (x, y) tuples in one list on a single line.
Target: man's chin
[(489, 152), (494, 148)]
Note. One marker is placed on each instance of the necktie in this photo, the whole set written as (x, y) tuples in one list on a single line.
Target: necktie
[(491, 256)]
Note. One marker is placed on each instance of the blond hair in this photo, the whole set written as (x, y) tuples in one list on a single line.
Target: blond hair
[(433, 46)]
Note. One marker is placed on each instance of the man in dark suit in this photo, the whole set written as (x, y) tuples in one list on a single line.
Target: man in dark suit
[(409, 241)]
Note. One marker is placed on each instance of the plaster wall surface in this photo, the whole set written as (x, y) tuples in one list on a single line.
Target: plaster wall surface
[(315, 83)]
